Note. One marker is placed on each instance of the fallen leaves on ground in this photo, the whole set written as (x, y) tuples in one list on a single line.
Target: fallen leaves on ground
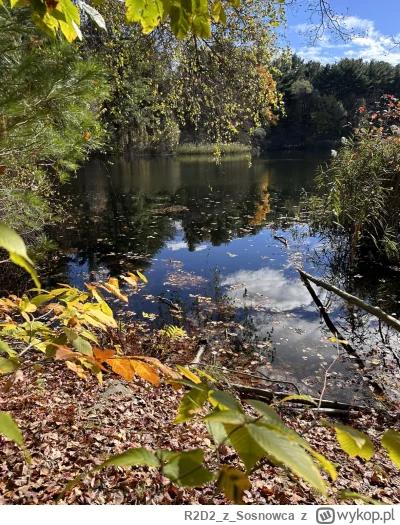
[(70, 426)]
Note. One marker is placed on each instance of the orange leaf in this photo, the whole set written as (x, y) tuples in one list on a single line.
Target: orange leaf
[(146, 371), (103, 355), (166, 370), (73, 322), (65, 353), (79, 371), (122, 367)]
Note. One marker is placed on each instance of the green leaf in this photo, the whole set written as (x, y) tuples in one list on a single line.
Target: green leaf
[(391, 442), (180, 14), (186, 382), (8, 366), (233, 482), (42, 298), (227, 416), (217, 431), (298, 397), (5, 348), (14, 244), (272, 419), (324, 462), (88, 335), (347, 494), (136, 456), (10, 430), (192, 403), (218, 12), (352, 441), (201, 20), (264, 409), (246, 447), (80, 344), (38, 7), (186, 470), (288, 452), (94, 15), (17, 3), (224, 401), (47, 23)]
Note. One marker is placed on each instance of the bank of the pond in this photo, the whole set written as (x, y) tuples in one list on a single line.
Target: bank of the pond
[(231, 148)]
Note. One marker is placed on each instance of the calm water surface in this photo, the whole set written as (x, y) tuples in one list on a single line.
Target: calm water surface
[(224, 237)]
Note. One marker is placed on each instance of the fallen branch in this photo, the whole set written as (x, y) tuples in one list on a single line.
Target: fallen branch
[(329, 411), (349, 349), (169, 303), (329, 323), (261, 376), (281, 239), (374, 310), (199, 355), (269, 395)]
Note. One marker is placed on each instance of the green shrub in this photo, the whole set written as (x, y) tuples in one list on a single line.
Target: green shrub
[(362, 199)]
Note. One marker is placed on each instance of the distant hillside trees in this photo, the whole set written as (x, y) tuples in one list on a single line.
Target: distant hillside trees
[(321, 99)]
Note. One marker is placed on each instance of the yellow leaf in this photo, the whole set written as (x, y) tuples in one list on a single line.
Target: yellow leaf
[(106, 309), (26, 317), (14, 244), (101, 317), (188, 374), (89, 360), (233, 482), (95, 368), (103, 355), (122, 367), (130, 280), (205, 375), (146, 371), (336, 340), (112, 287), (79, 371), (142, 276)]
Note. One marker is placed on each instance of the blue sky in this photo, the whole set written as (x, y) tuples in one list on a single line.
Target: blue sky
[(376, 22)]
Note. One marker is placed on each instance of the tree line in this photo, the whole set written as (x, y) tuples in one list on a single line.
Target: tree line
[(321, 101)]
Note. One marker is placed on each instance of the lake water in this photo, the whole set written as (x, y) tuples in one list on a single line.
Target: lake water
[(195, 228)]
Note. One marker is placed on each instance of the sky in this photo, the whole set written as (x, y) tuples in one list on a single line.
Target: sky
[(375, 22)]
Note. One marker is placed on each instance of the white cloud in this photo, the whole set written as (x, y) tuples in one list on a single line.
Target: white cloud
[(268, 287), (354, 23), (182, 245), (177, 245), (368, 43)]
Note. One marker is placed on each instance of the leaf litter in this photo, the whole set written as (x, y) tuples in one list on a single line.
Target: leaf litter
[(70, 426)]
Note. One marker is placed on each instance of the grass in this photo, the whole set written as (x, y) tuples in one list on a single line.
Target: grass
[(210, 149)]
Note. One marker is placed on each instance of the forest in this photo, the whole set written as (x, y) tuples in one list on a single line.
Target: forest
[(200, 247)]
